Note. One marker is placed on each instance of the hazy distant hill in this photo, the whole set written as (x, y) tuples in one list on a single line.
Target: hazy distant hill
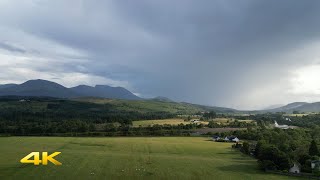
[(2, 86), (273, 106), (297, 106), (213, 108), (163, 99), (50, 89), (105, 92)]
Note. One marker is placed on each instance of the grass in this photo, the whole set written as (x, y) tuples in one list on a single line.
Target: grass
[(174, 121), (128, 158), (228, 120)]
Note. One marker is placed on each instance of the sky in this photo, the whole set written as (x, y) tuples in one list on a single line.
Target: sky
[(243, 54)]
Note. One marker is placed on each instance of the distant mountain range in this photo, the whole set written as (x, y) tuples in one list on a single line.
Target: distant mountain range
[(297, 106), (43, 88), (6, 85), (274, 106)]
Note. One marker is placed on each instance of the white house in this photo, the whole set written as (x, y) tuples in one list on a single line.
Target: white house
[(315, 165), (280, 126), (215, 138), (295, 168), (235, 139), (195, 121), (232, 139)]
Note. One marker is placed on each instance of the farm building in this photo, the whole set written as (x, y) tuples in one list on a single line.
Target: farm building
[(216, 138), (226, 139), (280, 126), (195, 121), (295, 169), (231, 139), (234, 139), (315, 165), (287, 119)]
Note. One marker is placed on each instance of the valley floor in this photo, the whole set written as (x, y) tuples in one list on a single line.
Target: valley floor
[(128, 158)]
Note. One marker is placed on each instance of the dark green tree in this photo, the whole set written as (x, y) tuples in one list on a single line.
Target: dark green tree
[(246, 147), (313, 149), (295, 112), (210, 115)]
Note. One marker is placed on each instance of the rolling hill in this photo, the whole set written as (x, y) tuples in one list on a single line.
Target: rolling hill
[(156, 105), (105, 92), (163, 99), (38, 88)]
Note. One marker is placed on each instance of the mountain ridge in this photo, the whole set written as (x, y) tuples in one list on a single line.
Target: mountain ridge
[(45, 88), (297, 106)]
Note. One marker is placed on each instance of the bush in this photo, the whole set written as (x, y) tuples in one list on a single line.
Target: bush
[(267, 165)]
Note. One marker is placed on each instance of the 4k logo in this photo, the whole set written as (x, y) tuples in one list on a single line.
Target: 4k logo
[(45, 158)]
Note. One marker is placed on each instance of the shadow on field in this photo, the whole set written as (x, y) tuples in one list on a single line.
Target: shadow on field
[(244, 168), (228, 153), (87, 144), (209, 140), (242, 159)]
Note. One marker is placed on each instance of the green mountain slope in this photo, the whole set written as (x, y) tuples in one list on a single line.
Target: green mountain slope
[(146, 105)]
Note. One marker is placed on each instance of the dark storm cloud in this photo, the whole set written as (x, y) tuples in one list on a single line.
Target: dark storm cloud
[(227, 53)]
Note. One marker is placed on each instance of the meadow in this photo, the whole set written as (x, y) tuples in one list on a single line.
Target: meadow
[(173, 121), (177, 121), (128, 158), (228, 120)]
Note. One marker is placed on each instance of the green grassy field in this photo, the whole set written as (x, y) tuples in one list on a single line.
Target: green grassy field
[(128, 158), (174, 121), (227, 120)]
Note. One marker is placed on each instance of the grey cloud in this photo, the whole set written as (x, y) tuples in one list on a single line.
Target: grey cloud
[(220, 52), (11, 48)]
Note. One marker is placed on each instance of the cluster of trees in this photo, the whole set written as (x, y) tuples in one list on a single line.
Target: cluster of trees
[(278, 149), (155, 130), (210, 115), (272, 157), (43, 115), (310, 121), (62, 110), (83, 128), (44, 127)]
